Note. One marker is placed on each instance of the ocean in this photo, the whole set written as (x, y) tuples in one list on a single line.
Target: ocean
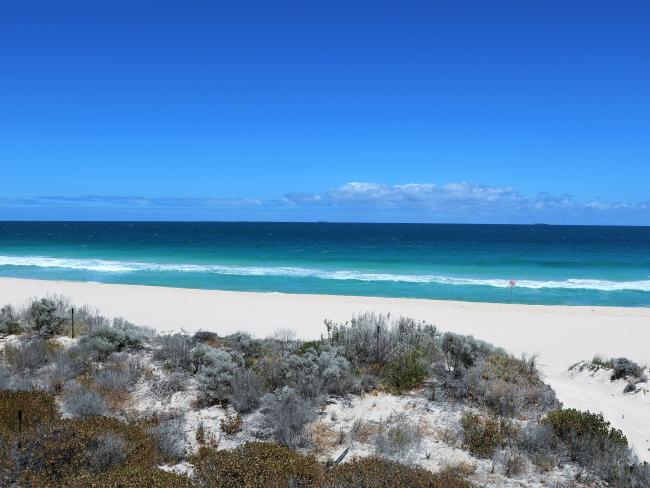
[(570, 265)]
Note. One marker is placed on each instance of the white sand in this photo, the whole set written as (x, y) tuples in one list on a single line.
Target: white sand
[(560, 335), (594, 391)]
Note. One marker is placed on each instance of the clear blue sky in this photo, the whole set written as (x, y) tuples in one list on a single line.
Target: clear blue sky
[(505, 111)]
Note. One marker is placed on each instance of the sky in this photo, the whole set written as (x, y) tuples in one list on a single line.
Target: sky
[(402, 111)]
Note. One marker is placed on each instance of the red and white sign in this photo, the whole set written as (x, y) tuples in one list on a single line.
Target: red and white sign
[(512, 282)]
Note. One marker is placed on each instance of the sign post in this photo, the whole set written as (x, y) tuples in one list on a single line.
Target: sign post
[(512, 284)]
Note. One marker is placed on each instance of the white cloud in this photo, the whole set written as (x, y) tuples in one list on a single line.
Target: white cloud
[(456, 198), (133, 201), (427, 195), (369, 201)]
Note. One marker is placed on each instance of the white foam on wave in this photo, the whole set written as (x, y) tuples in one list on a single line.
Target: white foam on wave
[(106, 266)]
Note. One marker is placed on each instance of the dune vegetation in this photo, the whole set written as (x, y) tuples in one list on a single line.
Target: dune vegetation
[(377, 401)]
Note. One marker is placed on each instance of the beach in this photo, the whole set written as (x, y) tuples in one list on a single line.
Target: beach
[(559, 335)]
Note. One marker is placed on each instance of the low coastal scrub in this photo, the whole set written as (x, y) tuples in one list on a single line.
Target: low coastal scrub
[(104, 339), (625, 368), (110, 406), (484, 435), (375, 472), (25, 410), (261, 464), (395, 441), (256, 464), (48, 316), (40, 448), (285, 414), (571, 424), (588, 440), (618, 369), (9, 321), (621, 368)]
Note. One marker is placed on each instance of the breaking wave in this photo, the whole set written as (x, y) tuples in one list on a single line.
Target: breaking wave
[(107, 266)]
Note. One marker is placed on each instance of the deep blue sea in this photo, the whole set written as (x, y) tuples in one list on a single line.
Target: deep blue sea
[(575, 265)]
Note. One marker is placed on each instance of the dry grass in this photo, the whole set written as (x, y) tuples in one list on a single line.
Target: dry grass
[(323, 437), (118, 400), (362, 431), (231, 424), (448, 435), (459, 469)]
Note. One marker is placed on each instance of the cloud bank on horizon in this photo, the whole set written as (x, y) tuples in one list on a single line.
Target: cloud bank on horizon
[(354, 201)]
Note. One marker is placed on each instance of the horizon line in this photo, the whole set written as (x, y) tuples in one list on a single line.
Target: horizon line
[(322, 222)]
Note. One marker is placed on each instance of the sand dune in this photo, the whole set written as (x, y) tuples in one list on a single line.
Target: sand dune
[(560, 335)]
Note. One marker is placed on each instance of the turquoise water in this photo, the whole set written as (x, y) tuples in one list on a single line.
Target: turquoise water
[(576, 265)]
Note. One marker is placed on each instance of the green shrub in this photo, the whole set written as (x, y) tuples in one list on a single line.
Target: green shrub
[(405, 372), (307, 345), (9, 321), (570, 424), (269, 465), (206, 336), (484, 435), (62, 451), (462, 352), (132, 477), (379, 473), (255, 464), (597, 363), (601, 450), (511, 369), (51, 452), (37, 408)]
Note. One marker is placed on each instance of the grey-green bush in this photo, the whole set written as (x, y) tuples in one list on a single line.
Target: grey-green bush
[(216, 371), (169, 384), (462, 352), (116, 378), (246, 391), (174, 351), (66, 366), (539, 442), (169, 436), (48, 316), (9, 321), (396, 442), (372, 339), (624, 368), (82, 403), (105, 452), (28, 355), (285, 414), (103, 340)]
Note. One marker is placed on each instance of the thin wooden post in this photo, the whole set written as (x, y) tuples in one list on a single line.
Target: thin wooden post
[(20, 427), (72, 320), (378, 333)]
